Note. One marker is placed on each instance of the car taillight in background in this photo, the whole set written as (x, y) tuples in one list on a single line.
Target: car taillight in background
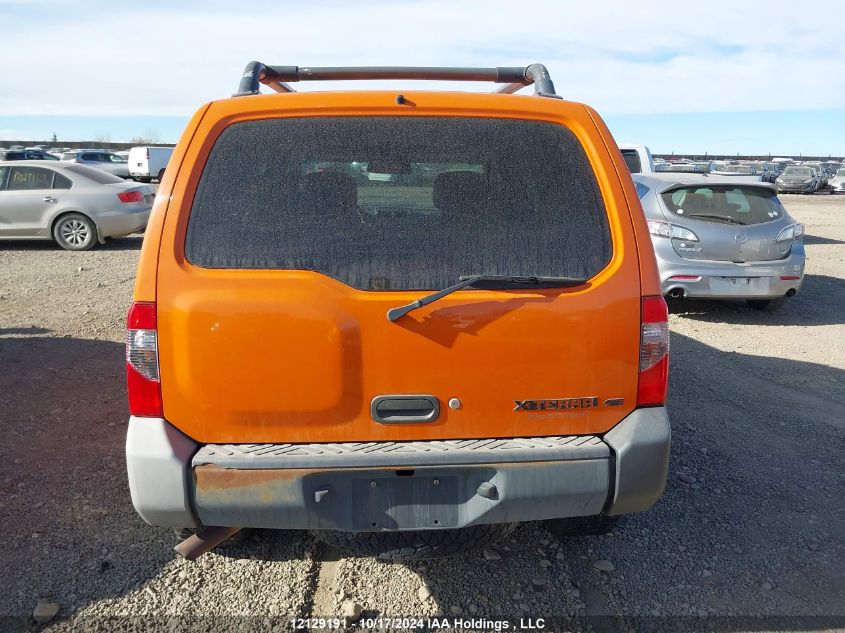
[(664, 229), (131, 196), (142, 376), (792, 232), (654, 353)]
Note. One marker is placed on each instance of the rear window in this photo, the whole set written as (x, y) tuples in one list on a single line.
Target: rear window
[(801, 172), (632, 159), (724, 204), (399, 203)]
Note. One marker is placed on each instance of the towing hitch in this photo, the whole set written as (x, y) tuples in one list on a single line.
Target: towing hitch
[(204, 541)]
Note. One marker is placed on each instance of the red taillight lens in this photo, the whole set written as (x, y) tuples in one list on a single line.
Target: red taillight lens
[(130, 196), (654, 353), (142, 376), (790, 277)]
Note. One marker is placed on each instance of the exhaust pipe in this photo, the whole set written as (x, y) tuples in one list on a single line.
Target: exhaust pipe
[(198, 544), (677, 293), (791, 292)]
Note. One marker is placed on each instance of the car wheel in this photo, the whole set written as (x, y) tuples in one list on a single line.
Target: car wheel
[(414, 545), (75, 232), (766, 305), (582, 526)]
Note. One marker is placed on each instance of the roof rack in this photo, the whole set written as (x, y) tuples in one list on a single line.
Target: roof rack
[(278, 77)]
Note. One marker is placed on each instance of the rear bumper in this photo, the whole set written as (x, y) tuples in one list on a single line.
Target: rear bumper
[(121, 223), (396, 486), (728, 280)]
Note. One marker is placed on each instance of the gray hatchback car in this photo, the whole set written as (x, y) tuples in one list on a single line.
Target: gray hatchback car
[(722, 238)]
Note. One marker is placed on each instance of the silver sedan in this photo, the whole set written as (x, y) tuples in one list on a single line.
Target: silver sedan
[(75, 205), (722, 238)]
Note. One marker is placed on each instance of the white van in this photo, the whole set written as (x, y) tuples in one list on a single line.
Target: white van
[(147, 162), (638, 158)]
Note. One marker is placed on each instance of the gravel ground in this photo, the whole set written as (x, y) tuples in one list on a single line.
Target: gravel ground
[(751, 523)]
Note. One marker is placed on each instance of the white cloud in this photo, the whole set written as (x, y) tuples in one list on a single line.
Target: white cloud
[(621, 57)]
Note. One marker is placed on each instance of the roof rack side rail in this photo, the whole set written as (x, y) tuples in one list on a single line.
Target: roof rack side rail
[(278, 77)]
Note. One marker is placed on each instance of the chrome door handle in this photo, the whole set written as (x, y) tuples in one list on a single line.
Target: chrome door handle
[(49, 199)]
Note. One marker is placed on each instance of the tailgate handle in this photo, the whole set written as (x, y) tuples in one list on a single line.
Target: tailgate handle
[(396, 409)]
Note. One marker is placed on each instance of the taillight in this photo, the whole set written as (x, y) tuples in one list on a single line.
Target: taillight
[(664, 229), (130, 196), (792, 232), (654, 353), (142, 375)]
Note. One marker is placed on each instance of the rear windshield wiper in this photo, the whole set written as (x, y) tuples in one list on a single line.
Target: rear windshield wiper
[(490, 281), (715, 217)]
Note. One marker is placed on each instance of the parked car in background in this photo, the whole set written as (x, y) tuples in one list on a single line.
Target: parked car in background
[(777, 168), (837, 183), (763, 170), (719, 238), (27, 154), (107, 161), (821, 175), (831, 167), (798, 179), (74, 205), (638, 158), (148, 162), (730, 170), (698, 167)]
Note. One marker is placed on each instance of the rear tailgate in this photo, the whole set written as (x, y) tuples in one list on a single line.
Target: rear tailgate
[(272, 299)]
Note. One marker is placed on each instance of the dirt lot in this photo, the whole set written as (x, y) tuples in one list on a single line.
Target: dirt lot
[(751, 522)]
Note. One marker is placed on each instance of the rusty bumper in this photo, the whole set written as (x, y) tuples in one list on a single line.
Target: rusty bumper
[(408, 486)]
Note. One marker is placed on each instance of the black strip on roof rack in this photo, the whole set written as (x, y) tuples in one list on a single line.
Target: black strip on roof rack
[(278, 77)]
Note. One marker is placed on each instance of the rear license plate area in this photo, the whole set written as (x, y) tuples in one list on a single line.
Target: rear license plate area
[(738, 285), (405, 502)]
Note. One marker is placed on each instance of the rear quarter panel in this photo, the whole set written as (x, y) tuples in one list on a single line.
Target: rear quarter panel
[(145, 279)]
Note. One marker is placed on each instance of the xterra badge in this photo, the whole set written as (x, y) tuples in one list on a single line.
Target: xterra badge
[(556, 405), (565, 404)]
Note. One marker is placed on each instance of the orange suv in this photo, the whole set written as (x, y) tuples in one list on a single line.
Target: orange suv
[(404, 320)]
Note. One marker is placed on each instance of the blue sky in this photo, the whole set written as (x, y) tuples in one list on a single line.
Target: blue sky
[(717, 77)]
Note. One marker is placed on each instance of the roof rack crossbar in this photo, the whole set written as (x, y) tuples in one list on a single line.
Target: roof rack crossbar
[(277, 77)]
